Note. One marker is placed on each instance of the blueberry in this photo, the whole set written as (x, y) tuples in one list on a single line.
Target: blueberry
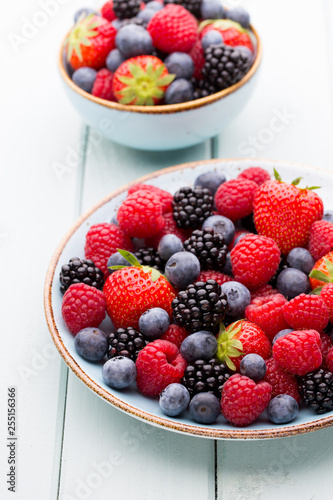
[(292, 282), (180, 90), (133, 40), (154, 322), (116, 23), (146, 15), (154, 5), (204, 408), (282, 409), (114, 60), (84, 12), (227, 268), (253, 366), (199, 345), (221, 225), (169, 244), (212, 37), (180, 64), (281, 333), (239, 15), (212, 9), (328, 215), (116, 260), (239, 237), (174, 400), (238, 297), (119, 372), (210, 180), (91, 344), (114, 220), (300, 258), (182, 269), (84, 78)]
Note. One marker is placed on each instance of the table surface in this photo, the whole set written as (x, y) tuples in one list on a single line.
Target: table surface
[(71, 444)]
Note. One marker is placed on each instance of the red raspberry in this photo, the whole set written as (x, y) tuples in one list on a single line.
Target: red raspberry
[(281, 381), (102, 240), (327, 295), (158, 365), (243, 400), (173, 29), (103, 85), (263, 291), (254, 260), (306, 312), (220, 278), (255, 174), (164, 197), (169, 228), (82, 306), (267, 312), (175, 334), (140, 215), (198, 59), (234, 199), (329, 360), (321, 239), (298, 352), (326, 345), (108, 12)]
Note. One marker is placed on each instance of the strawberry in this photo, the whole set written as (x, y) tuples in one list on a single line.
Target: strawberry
[(322, 271), (130, 291), (286, 213), (233, 33), (298, 352), (141, 80), (89, 42), (321, 239)]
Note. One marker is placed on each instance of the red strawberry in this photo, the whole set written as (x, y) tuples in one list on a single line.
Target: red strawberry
[(89, 42), (175, 334), (281, 381), (298, 352), (170, 227), (239, 339), (173, 29), (255, 174), (327, 295), (243, 401), (321, 239), (322, 271), (131, 291), (220, 278), (286, 213), (306, 312), (164, 197), (234, 198), (233, 33), (198, 59), (103, 85), (267, 312), (141, 80), (108, 12)]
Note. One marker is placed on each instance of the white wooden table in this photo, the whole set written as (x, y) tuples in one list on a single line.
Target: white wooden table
[(71, 445)]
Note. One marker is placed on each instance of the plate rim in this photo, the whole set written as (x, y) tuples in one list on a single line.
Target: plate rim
[(180, 427)]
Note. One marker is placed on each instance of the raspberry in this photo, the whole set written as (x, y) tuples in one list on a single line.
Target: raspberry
[(327, 295), (140, 215), (255, 259), (158, 365), (263, 291), (243, 400), (173, 29), (255, 174), (102, 240), (281, 381), (220, 278), (306, 312), (298, 352), (198, 59), (103, 85), (321, 239), (234, 198), (170, 227), (108, 12), (82, 306), (267, 312), (175, 334), (329, 360), (164, 197)]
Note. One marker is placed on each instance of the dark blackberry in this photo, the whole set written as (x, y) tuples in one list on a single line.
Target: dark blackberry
[(205, 376), (225, 65), (202, 88), (283, 265), (125, 9), (192, 6), (316, 390), (191, 206), (209, 247), (149, 257), (125, 342), (134, 20), (202, 306), (80, 271)]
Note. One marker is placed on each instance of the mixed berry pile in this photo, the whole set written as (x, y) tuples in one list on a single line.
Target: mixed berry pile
[(220, 297), (156, 52)]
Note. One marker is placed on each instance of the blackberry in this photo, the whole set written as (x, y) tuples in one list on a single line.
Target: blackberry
[(149, 257), (205, 376), (202, 88), (209, 247), (225, 65), (191, 206), (125, 9), (282, 266), (125, 342), (192, 6), (80, 271), (202, 306), (316, 390)]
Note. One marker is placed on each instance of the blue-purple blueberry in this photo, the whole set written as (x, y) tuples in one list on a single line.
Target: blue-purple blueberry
[(84, 78), (174, 399), (328, 215), (116, 259), (199, 345), (205, 408), (154, 322), (169, 244), (212, 9), (182, 269), (300, 258), (221, 225), (83, 12), (227, 268), (239, 15), (91, 344), (253, 366), (133, 40), (292, 282), (119, 372), (212, 37), (281, 333), (179, 90), (114, 59), (238, 297), (146, 15), (282, 409), (210, 180), (180, 64), (154, 5)]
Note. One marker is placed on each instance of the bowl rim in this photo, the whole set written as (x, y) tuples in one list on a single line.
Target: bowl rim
[(205, 432), (165, 108)]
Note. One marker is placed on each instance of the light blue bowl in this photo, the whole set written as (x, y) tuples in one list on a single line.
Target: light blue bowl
[(164, 127)]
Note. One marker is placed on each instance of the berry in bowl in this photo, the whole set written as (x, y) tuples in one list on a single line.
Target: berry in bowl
[(160, 76), (210, 312)]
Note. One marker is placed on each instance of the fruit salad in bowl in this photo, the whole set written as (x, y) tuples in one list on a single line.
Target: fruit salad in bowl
[(160, 75)]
